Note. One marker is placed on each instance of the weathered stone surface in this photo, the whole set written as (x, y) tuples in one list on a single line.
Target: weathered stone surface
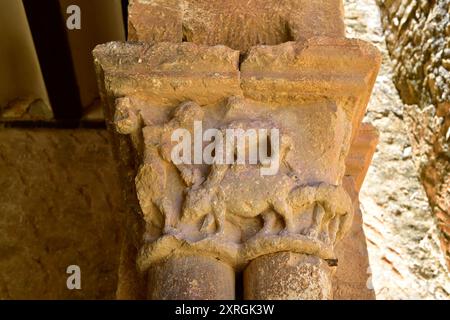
[(402, 236), (244, 193), (164, 74), (191, 278), (234, 23), (353, 278), (60, 205), (338, 69), (312, 91), (361, 153), (287, 276), (308, 126), (131, 283), (417, 35)]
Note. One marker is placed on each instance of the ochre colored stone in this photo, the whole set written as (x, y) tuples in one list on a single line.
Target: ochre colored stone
[(288, 276), (295, 75), (165, 74), (308, 174), (60, 205), (352, 279), (234, 23), (192, 277), (361, 153), (342, 70)]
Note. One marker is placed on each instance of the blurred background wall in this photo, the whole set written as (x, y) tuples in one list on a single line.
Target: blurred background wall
[(42, 60), (20, 73)]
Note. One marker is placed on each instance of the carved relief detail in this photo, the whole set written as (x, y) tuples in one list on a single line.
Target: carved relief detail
[(232, 211), (303, 101)]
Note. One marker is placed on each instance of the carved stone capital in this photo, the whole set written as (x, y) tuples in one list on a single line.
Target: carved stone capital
[(309, 94)]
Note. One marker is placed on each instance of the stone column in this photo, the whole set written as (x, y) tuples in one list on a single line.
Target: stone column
[(171, 105), (288, 276), (191, 278)]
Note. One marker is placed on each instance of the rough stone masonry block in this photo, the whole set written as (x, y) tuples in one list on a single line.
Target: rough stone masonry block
[(417, 37), (352, 279), (234, 23), (341, 70), (165, 74), (361, 153)]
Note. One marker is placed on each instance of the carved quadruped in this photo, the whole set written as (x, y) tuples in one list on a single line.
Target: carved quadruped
[(233, 212), (174, 105)]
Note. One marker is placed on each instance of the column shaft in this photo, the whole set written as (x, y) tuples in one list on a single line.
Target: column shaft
[(287, 276), (193, 277)]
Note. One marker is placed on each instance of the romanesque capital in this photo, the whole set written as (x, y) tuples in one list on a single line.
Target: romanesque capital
[(235, 146)]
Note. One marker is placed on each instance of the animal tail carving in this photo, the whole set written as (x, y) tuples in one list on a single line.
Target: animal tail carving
[(334, 199)]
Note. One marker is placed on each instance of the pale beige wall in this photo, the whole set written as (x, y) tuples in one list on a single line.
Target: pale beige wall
[(101, 21), (20, 74)]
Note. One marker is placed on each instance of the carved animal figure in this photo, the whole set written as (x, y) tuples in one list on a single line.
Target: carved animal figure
[(240, 188), (247, 194), (242, 192), (333, 211), (151, 180)]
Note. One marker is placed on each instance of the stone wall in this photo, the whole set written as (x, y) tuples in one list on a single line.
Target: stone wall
[(60, 205), (417, 36)]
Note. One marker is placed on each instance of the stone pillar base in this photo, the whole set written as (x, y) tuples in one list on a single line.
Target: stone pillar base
[(287, 276), (191, 278)]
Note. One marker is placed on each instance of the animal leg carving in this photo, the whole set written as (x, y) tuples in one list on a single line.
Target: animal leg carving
[(282, 207), (207, 224), (333, 228), (170, 216), (318, 216), (269, 218), (219, 215)]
